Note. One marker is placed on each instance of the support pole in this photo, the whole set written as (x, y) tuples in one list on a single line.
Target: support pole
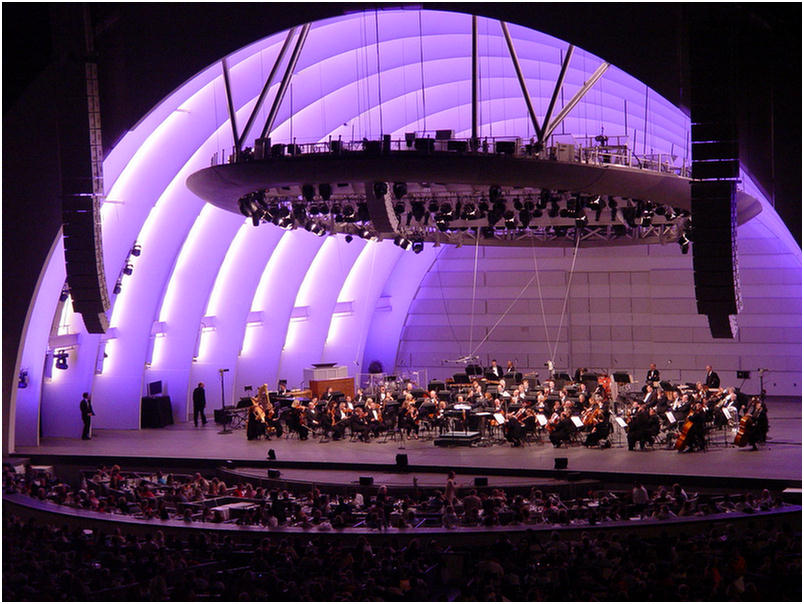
[(475, 123), (521, 77), (576, 99), (559, 84), (230, 107), (268, 82), (269, 123)]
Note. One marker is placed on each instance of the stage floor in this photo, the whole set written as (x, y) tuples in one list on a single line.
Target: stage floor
[(780, 458)]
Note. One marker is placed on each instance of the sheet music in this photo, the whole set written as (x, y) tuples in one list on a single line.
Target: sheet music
[(621, 422), (577, 421), (541, 419)]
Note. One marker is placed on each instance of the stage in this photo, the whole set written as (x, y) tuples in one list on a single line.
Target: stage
[(778, 460)]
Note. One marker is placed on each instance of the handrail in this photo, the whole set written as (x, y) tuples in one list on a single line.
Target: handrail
[(611, 151)]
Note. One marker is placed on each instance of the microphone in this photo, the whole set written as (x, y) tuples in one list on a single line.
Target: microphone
[(222, 370)]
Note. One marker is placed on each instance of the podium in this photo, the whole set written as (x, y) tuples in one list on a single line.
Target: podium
[(335, 377)]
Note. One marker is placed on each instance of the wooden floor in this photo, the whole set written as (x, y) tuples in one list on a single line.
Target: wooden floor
[(780, 458)]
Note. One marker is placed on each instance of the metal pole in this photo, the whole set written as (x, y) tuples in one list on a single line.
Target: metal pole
[(474, 84), (268, 82), (576, 99), (230, 107), (521, 77), (269, 123), (559, 84)]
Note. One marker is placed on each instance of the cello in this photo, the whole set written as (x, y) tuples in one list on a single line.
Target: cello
[(741, 439), (682, 437)]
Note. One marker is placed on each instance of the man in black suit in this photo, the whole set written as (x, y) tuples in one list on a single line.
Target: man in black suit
[(199, 402), (712, 379), (653, 374), (495, 370), (86, 415), (650, 396)]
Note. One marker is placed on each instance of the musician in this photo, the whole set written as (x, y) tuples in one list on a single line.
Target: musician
[(341, 419), (271, 418), (663, 401), (408, 418), (495, 372), (383, 394), (650, 396), (758, 429), (513, 429), (728, 402), (639, 428), (328, 395), (563, 430), (653, 375), (681, 407), (360, 398), (374, 418), (295, 420), (440, 418), (509, 367), (696, 436), (359, 424), (601, 425), (281, 388), (583, 390), (255, 422), (501, 389), (579, 373), (712, 380), (312, 415)]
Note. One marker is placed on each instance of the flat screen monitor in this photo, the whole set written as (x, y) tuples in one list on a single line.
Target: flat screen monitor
[(155, 388)]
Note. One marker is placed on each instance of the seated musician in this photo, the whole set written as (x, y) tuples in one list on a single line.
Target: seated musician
[(295, 420), (360, 398), (326, 418), (650, 395), (582, 390), (383, 394), (312, 415), (758, 428), (495, 372), (350, 403), (408, 417), (502, 389), (440, 418), (579, 373), (519, 395), (342, 419), (255, 423), (374, 417), (639, 428), (281, 388), (681, 407), (696, 436), (359, 424), (729, 403), (601, 425), (563, 430), (582, 404), (328, 395), (513, 429)]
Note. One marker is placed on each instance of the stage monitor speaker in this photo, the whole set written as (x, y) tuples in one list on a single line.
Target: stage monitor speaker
[(481, 481), (273, 473), (271, 454), (401, 460), (560, 463), (366, 481)]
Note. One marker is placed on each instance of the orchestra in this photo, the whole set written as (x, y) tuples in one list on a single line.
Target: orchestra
[(519, 409)]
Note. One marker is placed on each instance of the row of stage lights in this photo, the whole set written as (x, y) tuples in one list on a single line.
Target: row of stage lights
[(314, 214)]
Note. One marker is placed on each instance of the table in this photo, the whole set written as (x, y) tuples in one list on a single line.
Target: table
[(155, 412)]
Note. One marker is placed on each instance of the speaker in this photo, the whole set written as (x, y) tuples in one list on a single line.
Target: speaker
[(271, 454), (366, 481), (560, 463), (401, 460), (273, 473), (481, 481)]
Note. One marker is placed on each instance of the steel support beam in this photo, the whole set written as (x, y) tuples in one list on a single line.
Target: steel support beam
[(521, 77), (269, 123), (475, 124), (556, 90), (230, 107), (576, 99), (268, 82)]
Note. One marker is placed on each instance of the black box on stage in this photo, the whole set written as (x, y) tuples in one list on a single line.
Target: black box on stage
[(743, 375), (481, 481), (273, 473), (561, 463), (402, 460), (366, 481)]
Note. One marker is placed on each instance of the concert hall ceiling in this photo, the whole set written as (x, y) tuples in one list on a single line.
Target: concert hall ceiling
[(209, 291)]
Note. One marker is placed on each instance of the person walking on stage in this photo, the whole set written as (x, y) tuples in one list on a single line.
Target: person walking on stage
[(199, 402), (86, 415)]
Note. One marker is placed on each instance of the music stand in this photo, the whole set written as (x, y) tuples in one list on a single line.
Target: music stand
[(223, 405)]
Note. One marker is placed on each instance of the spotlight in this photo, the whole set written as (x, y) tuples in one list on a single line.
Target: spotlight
[(299, 212), (309, 192), (400, 189), (469, 211), (65, 293), (128, 269), (380, 189), (580, 221), (61, 359), (595, 204), (348, 239), (364, 233), (553, 211), (23, 379), (318, 230), (432, 207), (285, 223), (325, 191), (118, 287), (399, 208), (362, 212), (661, 211), (255, 218), (684, 242), (136, 250), (510, 220), (646, 221), (417, 209), (348, 213), (517, 204), (524, 218), (446, 209), (400, 241), (495, 193), (418, 247)]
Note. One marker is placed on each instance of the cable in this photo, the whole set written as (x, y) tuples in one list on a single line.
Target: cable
[(566, 295), (474, 290), (421, 71), (541, 297), (379, 73)]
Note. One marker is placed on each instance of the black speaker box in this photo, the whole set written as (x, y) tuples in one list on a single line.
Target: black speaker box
[(273, 473), (366, 481), (402, 460), (560, 463), (481, 481)]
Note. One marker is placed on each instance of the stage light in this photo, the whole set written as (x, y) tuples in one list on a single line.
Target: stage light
[(400, 241), (325, 191), (285, 223), (517, 204), (684, 242), (510, 220), (524, 218), (348, 212), (417, 210), (136, 250), (400, 189), (595, 204), (362, 212), (23, 379), (399, 208), (418, 247), (318, 230), (469, 211), (553, 211), (580, 221), (364, 233), (380, 189), (65, 293), (446, 209), (118, 287), (646, 221), (61, 359), (300, 212), (308, 191), (495, 193), (128, 269), (255, 218), (432, 207), (348, 239)]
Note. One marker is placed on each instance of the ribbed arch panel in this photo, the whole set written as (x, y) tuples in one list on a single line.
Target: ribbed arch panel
[(423, 78)]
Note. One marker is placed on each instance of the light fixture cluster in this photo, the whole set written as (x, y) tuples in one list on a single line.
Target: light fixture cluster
[(128, 267)]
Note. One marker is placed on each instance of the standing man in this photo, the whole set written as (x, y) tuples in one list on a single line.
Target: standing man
[(653, 375), (712, 379), (86, 415), (199, 402)]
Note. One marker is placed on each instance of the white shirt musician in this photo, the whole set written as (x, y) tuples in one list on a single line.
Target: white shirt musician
[(495, 369)]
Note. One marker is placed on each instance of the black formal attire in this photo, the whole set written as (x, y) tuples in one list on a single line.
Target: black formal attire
[(653, 376), (600, 430), (339, 427), (199, 402), (696, 436), (255, 427), (758, 430), (360, 426), (86, 417), (496, 371), (374, 424), (639, 430), (293, 420), (562, 432), (712, 380), (513, 432)]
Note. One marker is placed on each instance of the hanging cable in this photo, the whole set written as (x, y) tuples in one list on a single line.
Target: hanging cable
[(421, 71), (541, 297), (474, 290), (566, 296), (446, 310)]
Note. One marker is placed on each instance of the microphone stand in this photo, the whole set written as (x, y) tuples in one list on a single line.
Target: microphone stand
[(223, 405)]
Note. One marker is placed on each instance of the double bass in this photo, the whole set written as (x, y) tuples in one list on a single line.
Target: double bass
[(746, 423), (683, 433)]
